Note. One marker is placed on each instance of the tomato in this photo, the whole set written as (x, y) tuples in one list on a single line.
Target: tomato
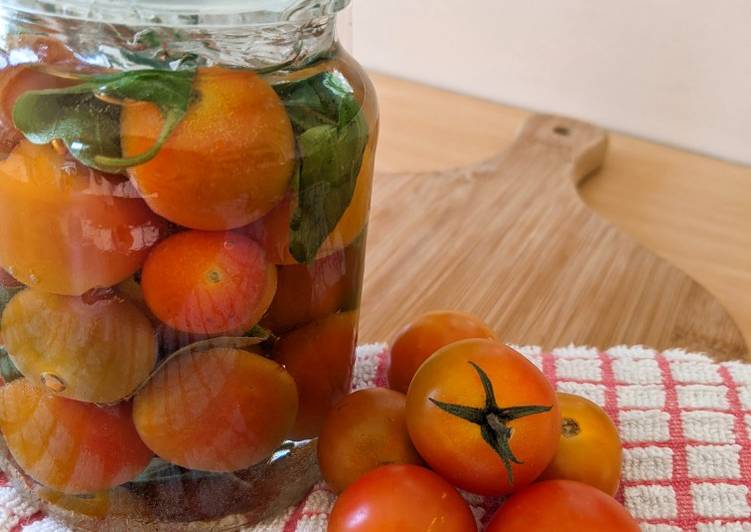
[(65, 228), (272, 231), (319, 356), (219, 410), (401, 498), (473, 390), (208, 282), (306, 292), (226, 164), (427, 334), (586, 431), (17, 79), (561, 506), (365, 430), (68, 445), (97, 352)]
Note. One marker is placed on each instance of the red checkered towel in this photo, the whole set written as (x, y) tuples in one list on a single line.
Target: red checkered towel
[(685, 422)]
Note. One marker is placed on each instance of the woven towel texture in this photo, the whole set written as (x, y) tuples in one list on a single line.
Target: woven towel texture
[(685, 422)]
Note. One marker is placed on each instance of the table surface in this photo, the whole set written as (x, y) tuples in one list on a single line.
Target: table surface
[(691, 209)]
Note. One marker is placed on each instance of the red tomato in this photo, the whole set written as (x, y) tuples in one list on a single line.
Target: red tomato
[(483, 417), (562, 506), (427, 334), (401, 498)]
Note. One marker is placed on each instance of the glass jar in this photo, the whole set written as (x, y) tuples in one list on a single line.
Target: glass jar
[(184, 194)]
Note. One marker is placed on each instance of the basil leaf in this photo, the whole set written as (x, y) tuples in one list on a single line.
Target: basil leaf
[(7, 293), (8, 370), (88, 126), (159, 470), (261, 333), (331, 137), (85, 119)]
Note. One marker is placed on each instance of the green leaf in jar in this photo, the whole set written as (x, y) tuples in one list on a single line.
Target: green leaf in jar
[(159, 470), (86, 116), (331, 137), (8, 370)]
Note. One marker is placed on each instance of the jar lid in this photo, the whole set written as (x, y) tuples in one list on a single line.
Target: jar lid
[(201, 13)]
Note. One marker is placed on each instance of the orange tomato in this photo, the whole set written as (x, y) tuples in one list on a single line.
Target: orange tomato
[(68, 445), (424, 336), (586, 431), (319, 356), (365, 430), (272, 231), (208, 282), (401, 498), (561, 506), (219, 410), (226, 164), (306, 292), (65, 228), (483, 416), (97, 352)]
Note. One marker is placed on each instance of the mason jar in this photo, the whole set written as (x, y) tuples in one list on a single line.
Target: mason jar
[(184, 195)]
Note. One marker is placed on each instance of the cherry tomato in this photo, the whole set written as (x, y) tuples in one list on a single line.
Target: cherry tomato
[(65, 228), (426, 335), (586, 431), (229, 160), (208, 282), (365, 430), (68, 445), (319, 356), (483, 416), (97, 351), (306, 292), (218, 410), (561, 506), (401, 498)]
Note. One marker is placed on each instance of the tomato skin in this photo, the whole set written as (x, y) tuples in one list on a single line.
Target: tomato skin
[(454, 447), (65, 228), (306, 292), (403, 498), (68, 445), (363, 431), (587, 431), (319, 356), (424, 336), (561, 506), (209, 177), (208, 282), (218, 410)]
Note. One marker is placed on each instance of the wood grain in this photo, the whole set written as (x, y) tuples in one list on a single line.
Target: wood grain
[(510, 240), (690, 209)]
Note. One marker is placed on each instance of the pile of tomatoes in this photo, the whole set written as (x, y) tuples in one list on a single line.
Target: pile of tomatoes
[(466, 411), (133, 326)]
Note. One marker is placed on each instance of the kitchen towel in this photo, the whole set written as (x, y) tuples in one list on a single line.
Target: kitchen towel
[(685, 422)]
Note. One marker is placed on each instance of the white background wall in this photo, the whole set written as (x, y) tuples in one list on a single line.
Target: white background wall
[(676, 71)]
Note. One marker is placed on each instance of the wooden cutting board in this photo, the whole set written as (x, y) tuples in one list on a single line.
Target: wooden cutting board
[(510, 240)]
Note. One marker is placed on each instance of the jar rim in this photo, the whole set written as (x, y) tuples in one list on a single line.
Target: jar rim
[(182, 13)]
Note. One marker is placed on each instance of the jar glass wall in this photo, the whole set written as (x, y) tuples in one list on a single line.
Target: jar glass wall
[(184, 195)]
